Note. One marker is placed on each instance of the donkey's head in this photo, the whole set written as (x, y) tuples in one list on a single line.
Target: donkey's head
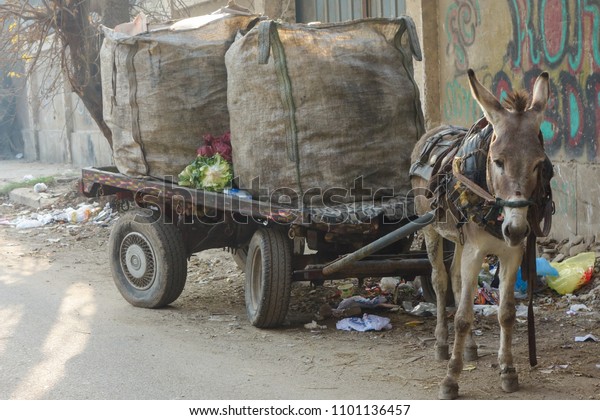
[(516, 156)]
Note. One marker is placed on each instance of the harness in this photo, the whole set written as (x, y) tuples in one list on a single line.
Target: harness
[(454, 160)]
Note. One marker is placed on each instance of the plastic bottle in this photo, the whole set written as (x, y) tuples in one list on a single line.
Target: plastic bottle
[(238, 193)]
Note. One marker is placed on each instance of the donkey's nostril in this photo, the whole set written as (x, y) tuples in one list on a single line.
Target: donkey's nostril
[(518, 193)]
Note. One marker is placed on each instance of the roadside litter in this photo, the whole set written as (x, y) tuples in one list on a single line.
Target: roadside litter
[(587, 338), (424, 309), (84, 213), (368, 322), (314, 326), (572, 273), (578, 307), (362, 302), (486, 310)]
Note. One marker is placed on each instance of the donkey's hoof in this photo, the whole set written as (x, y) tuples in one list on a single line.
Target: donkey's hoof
[(448, 389), (510, 380), (441, 352), (470, 354)]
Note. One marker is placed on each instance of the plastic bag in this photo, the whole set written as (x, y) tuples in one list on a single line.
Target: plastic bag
[(368, 322), (542, 268), (573, 273)]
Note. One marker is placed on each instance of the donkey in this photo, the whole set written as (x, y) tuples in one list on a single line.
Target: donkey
[(513, 165)]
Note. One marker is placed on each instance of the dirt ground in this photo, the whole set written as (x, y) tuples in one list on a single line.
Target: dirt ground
[(400, 358)]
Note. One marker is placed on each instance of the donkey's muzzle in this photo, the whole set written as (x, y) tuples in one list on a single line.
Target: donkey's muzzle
[(515, 233)]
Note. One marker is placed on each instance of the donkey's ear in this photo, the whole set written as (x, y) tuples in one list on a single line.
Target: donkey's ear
[(541, 92), (491, 107)]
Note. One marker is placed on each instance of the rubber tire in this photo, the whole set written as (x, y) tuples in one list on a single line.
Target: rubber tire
[(240, 255), (268, 277), (165, 243)]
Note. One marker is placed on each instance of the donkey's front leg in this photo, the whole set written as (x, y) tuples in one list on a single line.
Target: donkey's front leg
[(509, 265), (463, 320)]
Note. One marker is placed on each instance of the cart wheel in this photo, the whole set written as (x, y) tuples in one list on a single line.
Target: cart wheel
[(148, 259), (268, 277), (240, 255)]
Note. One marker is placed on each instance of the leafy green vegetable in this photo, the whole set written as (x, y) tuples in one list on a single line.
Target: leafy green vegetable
[(207, 173)]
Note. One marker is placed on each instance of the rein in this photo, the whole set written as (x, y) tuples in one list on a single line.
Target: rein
[(488, 198)]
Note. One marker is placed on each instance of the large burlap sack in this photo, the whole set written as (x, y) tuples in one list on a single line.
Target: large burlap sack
[(315, 108), (163, 89)]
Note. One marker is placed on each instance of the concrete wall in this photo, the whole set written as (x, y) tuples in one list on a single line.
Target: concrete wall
[(58, 128), (509, 43)]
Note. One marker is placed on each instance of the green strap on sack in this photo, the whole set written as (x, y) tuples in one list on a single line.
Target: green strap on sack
[(268, 39), (136, 131)]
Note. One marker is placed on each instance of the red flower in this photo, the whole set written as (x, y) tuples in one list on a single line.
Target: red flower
[(208, 139), (220, 145), (223, 148), (206, 151)]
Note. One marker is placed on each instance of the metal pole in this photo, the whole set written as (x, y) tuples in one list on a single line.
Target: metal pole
[(380, 243)]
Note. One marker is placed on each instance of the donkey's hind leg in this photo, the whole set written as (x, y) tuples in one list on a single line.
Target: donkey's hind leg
[(439, 279), (463, 320), (470, 353)]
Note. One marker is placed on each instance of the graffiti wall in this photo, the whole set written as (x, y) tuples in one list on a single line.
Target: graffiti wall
[(508, 43)]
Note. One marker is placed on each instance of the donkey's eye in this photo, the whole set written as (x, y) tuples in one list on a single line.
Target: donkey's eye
[(499, 163)]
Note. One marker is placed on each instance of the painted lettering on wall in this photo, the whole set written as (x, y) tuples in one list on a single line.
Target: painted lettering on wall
[(558, 36), (562, 37), (462, 19)]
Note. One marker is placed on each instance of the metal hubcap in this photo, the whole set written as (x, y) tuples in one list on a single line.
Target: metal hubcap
[(138, 261)]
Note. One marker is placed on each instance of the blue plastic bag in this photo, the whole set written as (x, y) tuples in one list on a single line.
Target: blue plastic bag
[(542, 268)]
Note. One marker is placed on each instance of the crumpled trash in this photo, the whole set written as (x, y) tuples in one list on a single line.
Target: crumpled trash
[(424, 309), (83, 213), (362, 302), (314, 326), (389, 284), (486, 310), (587, 338), (35, 220), (40, 187), (522, 310), (368, 322), (327, 312), (578, 307), (29, 224), (487, 295)]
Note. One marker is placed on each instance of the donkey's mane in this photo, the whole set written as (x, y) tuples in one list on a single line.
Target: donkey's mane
[(517, 101)]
